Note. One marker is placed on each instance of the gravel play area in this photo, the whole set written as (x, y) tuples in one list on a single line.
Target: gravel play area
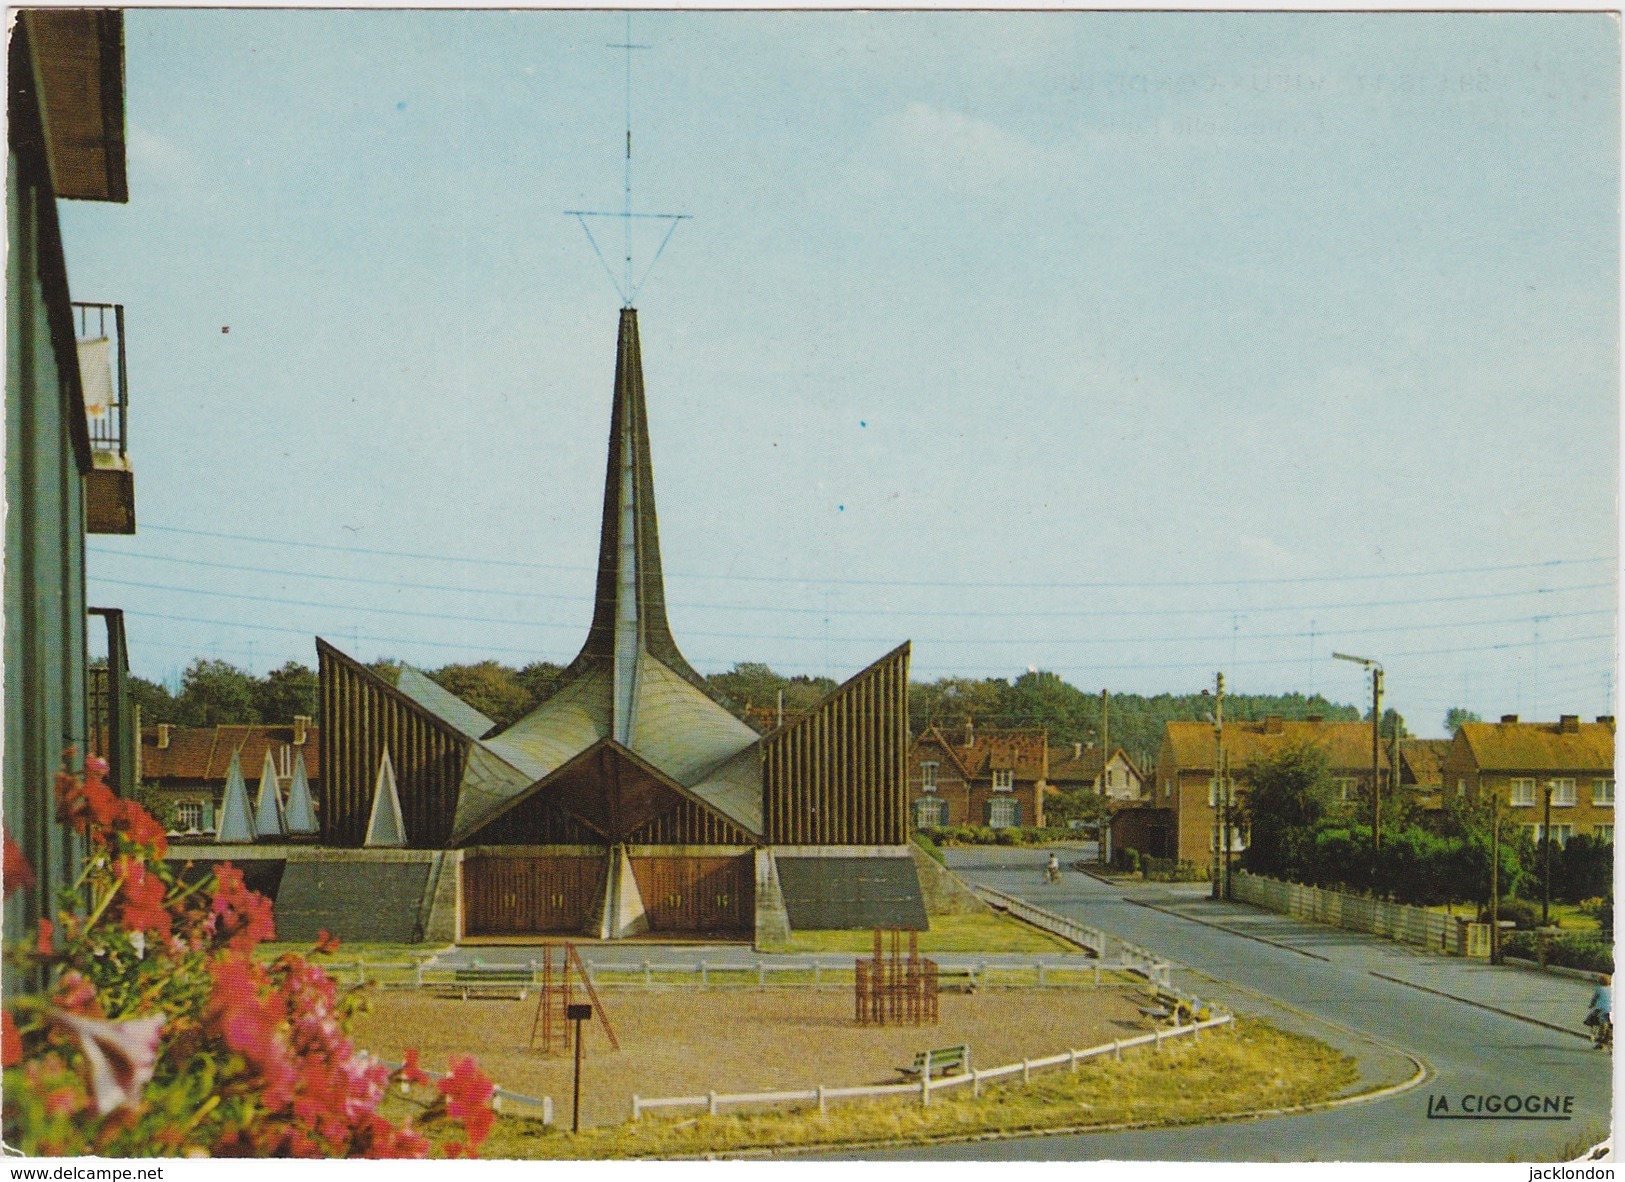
[(687, 1042)]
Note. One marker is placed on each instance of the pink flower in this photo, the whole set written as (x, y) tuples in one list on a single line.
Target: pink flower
[(468, 1099), (411, 1073), (42, 942), (326, 941), (12, 1042), (143, 907), (121, 1055)]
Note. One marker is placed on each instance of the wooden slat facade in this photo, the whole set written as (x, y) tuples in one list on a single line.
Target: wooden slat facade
[(690, 824), (361, 714), (838, 775), (697, 894), (536, 821), (505, 896)]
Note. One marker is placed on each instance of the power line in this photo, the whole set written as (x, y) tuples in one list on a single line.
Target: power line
[(362, 580), (340, 608), (1132, 585)]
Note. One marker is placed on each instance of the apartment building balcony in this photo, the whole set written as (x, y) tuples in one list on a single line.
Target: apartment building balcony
[(110, 485)]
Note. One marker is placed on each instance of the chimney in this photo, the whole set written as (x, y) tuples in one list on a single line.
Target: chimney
[(1509, 718), (163, 736), (1569, 724), (970, 732), (301, 723), (1273, 725)]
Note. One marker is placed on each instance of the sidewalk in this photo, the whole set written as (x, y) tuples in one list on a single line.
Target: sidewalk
[(1544, 998)]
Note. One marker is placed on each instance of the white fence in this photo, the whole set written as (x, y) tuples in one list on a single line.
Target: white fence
[(713, 1102), (1130, 956), (759, 973), (1360, 913), (502, 1100)]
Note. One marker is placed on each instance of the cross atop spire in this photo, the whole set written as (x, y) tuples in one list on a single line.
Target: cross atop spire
[(625, 287)]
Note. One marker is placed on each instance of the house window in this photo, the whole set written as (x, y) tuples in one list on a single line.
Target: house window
[(1348, 788), (189, 816), (928, 776), (1003, 814), (1605, 833), (1523, 792), (1534, 833), (1562, 833), (1004, 780), (1563, 794), (1602, 792), (930, 811), (1111, 778)]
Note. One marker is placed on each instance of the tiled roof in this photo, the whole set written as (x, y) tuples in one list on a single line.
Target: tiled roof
[(1347, 744), (1086, 767), (204, 753), (1421, 760), (1024, 750), (1538, 746)]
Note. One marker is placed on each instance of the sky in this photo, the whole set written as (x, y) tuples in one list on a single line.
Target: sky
[(1130, 346)]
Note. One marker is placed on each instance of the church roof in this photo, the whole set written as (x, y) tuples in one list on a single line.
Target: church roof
[(629, 687), (442, 703)]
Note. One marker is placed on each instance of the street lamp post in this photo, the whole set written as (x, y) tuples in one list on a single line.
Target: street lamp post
[(1376, 753), (1221, 814)]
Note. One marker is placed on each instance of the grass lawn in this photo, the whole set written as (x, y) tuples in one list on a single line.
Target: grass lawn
[(1256, 1067), (983, 932)]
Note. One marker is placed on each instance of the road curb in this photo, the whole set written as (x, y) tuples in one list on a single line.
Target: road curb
[(1482, 1005)]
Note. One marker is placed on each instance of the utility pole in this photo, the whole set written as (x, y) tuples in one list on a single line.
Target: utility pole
[(1221, 816), (1495, 878), (1376, 755), (1102, 840), (1546, 861)]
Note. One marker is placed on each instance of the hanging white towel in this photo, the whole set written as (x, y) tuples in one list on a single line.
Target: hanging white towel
[(96, 374)]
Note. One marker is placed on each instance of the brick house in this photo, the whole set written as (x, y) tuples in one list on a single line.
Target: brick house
[(185, 767), (1516, 761), (978, 776), (1117, 778), (1184, 778), (1421, 770)]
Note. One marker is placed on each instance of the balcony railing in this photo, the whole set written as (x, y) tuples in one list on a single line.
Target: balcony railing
[(110, 484), (100, 329)]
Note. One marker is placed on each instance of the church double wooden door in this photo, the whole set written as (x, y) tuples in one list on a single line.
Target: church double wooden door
[(699, 895), (531, 895)]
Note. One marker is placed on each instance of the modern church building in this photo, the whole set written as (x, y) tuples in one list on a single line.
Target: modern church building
[(630, 801)]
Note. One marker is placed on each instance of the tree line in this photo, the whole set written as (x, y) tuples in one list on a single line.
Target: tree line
[(214, 692)]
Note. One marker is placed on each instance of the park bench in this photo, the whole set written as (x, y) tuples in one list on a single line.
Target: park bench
[(942, 1061), (486, 980)]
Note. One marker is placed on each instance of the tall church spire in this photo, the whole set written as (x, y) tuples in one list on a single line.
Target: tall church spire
[(629, 613)]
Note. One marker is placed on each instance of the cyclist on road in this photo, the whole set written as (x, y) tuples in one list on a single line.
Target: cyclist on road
[(1600, 1013)]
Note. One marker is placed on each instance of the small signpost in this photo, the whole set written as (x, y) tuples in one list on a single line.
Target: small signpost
[(577, 1013)]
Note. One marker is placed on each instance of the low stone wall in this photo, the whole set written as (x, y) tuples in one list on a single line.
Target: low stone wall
[(1360, 913)]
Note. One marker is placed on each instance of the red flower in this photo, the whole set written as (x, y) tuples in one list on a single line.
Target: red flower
[(42, 942), (18, 875), (410, 1071), (76, 994), (245, 915), (143, 908), (140, 827), (326, 942), (468, 1099), (251, 1025), (11, 1043)]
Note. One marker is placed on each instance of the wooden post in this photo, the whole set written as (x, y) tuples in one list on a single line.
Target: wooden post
[(637, 1108), (823, 1104), (712, 1103)]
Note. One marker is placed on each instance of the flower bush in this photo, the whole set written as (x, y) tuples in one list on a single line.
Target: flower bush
[(159, 1032)]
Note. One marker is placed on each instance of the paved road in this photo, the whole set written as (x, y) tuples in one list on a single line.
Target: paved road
[(1323, 975)]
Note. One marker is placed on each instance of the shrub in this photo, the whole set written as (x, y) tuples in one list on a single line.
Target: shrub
[(1600, 910), (160, 1033), (1522, 912), (928, 845), (1131, 857), (1572, 950)]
